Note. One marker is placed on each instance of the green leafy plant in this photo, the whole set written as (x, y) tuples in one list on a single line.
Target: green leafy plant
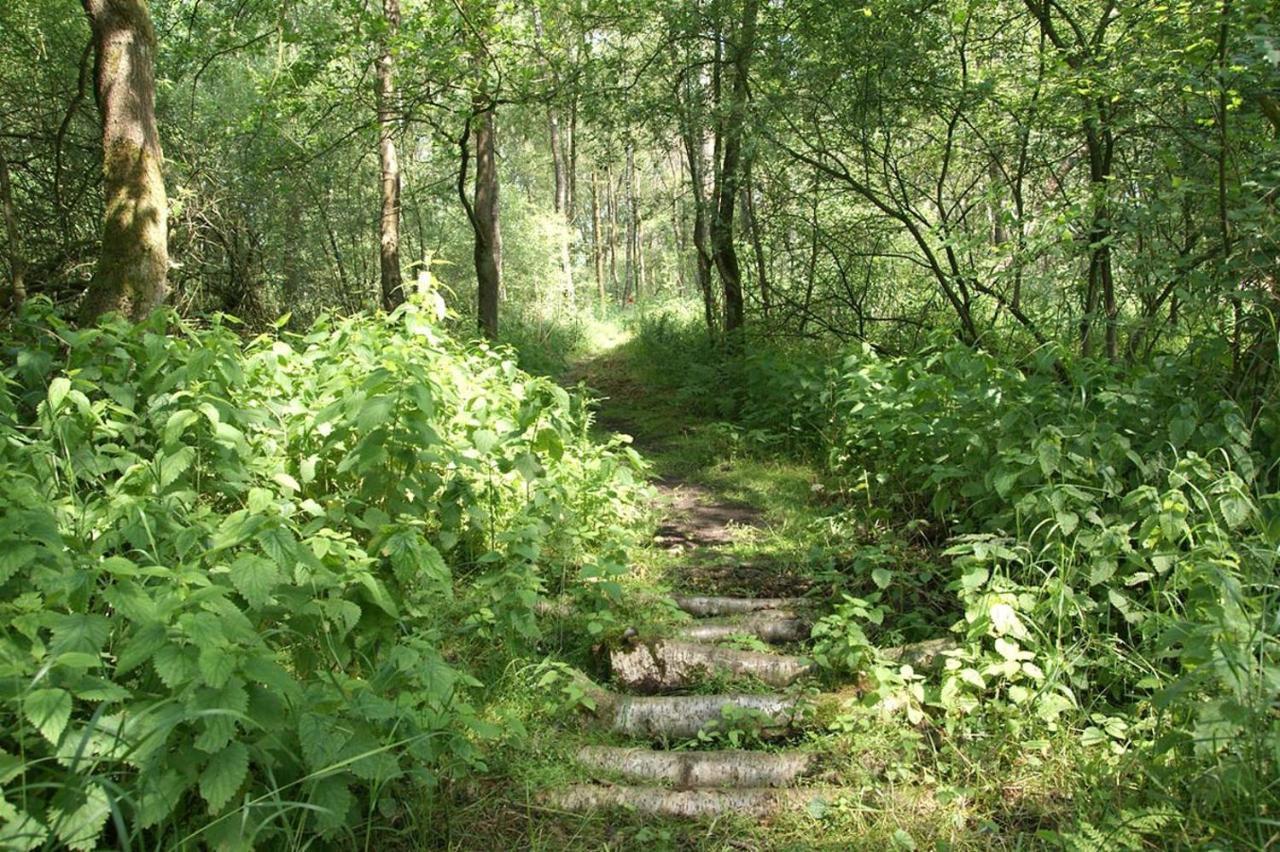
[(231, 579)]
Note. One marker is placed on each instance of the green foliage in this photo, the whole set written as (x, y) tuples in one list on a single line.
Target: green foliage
[(235, 575), (1111, 539)]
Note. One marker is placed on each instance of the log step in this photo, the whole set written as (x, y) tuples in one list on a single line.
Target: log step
[(652, 666), (682, 716), (754, 802), (920, 655), (701, 605), (774, 626), (687, 769)]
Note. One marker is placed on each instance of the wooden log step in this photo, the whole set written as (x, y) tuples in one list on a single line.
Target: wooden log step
[(920, 655), (688, 769), (775, 626), (659, 664), (755, 802), (682, 716), (702, 606)]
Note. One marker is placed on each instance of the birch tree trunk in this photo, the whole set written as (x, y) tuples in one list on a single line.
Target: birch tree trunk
[(389, 224)]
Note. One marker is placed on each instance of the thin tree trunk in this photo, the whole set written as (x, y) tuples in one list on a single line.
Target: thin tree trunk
[(597, 246), (757, 243), (132, 272), (613, 227), (560, 166), (17, 266), (722, 235), (488, 248), (389, 224), (630, 285), (483, 214)]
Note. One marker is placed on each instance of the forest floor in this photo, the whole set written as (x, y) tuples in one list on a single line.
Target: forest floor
[(733, 524)]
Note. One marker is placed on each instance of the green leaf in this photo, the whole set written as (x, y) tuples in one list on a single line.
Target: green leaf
[(974, 578), (177, 424), (1235, 509), (173, 465), (80, 828), (223, 775), (287, 482), (549, 441), (1180, 430), (485, 441), (881, 577), (49, 710), (254, 577), (175, 664), (903, 840), (1050, 456), (259, 500), (216, 665), (19, 831), (58, 390)]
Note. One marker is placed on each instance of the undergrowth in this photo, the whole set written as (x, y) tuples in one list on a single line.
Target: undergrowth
[(1100, 541), (253, 592)]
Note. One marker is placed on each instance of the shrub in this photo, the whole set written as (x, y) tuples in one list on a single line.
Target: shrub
[(230, 572)]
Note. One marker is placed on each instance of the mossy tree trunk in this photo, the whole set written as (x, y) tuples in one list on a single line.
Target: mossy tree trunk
[(134, 262)]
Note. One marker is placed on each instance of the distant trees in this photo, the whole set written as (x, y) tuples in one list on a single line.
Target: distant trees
[(1086, 175)]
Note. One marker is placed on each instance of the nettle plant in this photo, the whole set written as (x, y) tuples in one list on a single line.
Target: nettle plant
[(230, 572), (1113, 540)]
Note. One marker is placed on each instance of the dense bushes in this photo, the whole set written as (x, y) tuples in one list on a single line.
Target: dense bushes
[(229, 577), (1113, 539)]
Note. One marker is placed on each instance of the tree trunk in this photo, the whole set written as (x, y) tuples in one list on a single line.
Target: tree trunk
[(757, 243), (389, 227), (488, 244), (613, 227), (561, 168), (133, 267), (597, 234), (631, 285), (722, 242), (17, 267)]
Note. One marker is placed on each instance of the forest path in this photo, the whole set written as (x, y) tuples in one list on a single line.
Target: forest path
[(712, 710)]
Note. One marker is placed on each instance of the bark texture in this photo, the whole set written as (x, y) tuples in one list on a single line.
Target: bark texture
[(660, 665), (691, 769), (681, 716), (17, 265), (483, 214), (723, 249), (767, 626), (133, 267), (685, 804), (920, 655), (709, 606), (389, 224)]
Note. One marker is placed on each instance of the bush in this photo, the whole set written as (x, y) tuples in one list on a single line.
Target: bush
[(230, 572), (1113, 539)]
